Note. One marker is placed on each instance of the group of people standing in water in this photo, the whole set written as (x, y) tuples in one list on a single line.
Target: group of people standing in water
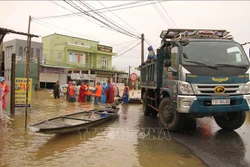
[(105, 93)]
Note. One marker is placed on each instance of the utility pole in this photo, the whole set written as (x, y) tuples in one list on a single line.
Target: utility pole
[(129, 76), (12, 92), (1, 59), (38, 73), (27, 70), (142, 48)]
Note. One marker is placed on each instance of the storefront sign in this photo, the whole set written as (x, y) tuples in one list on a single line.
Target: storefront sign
[(52, 70), (20, 92), (103, 48), (77, 76), (123, 75)]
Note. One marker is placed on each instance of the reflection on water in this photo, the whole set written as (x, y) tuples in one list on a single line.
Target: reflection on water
[(117, 143), (216, 146), (156, 148)]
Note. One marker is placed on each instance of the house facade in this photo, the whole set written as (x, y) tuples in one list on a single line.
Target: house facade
[(62, 58), (84, 59), (18, 46)]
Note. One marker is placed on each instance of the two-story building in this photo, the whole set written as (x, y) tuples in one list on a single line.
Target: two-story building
[(18, 46), (84, 59)]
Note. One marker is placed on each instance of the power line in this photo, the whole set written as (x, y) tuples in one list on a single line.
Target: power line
[(113, 26), (118, 17), (43, 23), (73, 13), (128, 46), (103, 10), (160, 13), (125, 42), (126, 51), (52, 25), (104, 16), (167, 14)]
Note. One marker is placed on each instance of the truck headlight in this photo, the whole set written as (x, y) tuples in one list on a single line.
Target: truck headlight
[(246, 88), (185, 88)]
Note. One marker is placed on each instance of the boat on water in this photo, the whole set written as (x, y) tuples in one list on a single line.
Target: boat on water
[(75, 122), (132, 100)]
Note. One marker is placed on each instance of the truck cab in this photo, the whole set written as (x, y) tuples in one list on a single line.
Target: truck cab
[(197, 73)]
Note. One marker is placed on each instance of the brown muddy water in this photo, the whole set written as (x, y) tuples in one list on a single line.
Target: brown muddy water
[(126, 141)]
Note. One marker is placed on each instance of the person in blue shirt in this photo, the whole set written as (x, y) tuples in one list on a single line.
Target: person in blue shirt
[(151, 54), (103, 99)]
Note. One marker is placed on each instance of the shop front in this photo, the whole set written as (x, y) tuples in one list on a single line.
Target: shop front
[(49, 75)]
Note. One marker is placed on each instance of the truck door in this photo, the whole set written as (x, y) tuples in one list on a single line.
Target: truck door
[(170, 73)]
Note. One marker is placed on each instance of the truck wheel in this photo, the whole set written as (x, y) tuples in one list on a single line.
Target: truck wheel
[(232, 121), (146, 109), (169, 118)]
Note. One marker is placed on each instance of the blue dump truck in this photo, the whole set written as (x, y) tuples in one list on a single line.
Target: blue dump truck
[(196, 73)]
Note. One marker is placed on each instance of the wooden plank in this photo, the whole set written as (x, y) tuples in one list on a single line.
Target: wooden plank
[(76, 118)]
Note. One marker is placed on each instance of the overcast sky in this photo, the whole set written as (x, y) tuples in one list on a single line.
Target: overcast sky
[(230, 15)]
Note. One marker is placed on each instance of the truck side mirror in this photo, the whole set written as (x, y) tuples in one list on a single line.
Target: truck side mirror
[(184, 42), (174, 71), (167, 63)]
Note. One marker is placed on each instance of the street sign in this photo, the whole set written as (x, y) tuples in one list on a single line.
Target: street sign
[(20, 92), (133, 77)]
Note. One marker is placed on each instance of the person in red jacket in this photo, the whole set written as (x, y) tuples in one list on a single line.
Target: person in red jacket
[(6, 91), (82, 95), (110, 95)]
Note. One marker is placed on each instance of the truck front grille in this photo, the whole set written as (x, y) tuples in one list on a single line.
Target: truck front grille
[(210, 88)]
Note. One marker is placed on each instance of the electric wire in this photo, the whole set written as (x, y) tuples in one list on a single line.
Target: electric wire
[(160, 13), (126, 51), (103, 16), (114, 27), (167, 14), (57, 27), (119, 17), (107, 19), (127, 46), (43, 23), (69, 14), (127, 6)]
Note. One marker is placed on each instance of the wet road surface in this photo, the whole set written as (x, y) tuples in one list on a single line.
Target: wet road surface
[(130, 140)]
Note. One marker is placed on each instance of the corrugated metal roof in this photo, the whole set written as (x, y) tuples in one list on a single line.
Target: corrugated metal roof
[(46, 65), (5, 31)]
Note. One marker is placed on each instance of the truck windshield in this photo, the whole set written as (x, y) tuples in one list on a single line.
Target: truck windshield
[(214, 53)]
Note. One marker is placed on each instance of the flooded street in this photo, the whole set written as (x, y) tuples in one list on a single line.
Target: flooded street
[(130, 140)]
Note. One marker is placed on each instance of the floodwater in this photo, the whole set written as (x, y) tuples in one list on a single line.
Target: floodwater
[(126, 141)]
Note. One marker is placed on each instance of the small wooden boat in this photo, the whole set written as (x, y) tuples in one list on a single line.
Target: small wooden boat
[(132, 100), (74, 122)]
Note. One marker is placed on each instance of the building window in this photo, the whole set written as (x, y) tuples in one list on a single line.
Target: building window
[(9, 51), (59, 57), (73, 58), (87, 58), (21, 52), (103, 63)]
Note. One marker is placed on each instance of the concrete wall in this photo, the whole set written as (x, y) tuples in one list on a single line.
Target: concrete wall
[(17, 46)]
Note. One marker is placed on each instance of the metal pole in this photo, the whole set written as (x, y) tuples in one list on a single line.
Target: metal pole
[(142, 48), (129, 76), (27, 71), (38, 73), (1, 59), (12, 91)]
